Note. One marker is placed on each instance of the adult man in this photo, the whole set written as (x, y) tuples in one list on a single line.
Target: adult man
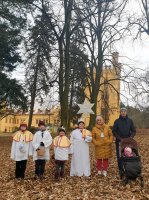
[(123, 128)]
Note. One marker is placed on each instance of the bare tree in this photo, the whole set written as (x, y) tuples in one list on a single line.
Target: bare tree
[(61, 19), (102, 28), (141, 21)]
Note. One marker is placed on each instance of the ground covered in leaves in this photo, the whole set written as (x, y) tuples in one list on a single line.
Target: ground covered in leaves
[(95, 187)]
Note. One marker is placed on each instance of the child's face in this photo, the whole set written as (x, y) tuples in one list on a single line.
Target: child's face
[(23, 128), (61, 133), (81, 125), (42, 127)]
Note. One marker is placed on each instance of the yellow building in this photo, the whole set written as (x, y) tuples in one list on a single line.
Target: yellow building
[(9, 122), (108, 101)]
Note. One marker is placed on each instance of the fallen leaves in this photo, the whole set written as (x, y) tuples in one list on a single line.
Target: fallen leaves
[(74, 188)]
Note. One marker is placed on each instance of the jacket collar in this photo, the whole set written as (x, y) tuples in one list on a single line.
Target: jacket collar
[(123, 118), (100, 126)]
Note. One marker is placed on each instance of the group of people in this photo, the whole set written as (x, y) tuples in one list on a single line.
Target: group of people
[(25, 144)]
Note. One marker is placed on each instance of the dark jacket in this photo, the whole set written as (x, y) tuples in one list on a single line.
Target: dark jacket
[(123, 128)]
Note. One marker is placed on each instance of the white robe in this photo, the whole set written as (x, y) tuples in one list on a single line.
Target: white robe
[(47, 140), (80, 162), (61, 153), (18, 153)]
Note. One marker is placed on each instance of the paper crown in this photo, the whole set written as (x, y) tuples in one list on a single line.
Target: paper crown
[(41, 123), (80, 121), (61, 129), (23, 124)]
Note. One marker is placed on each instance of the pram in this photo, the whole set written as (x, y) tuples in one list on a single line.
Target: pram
[(131, 165)]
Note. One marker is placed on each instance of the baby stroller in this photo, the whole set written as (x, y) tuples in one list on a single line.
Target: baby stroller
[(131, 165)]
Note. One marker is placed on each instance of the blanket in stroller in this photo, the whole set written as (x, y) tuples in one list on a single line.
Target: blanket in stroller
[(130, 158)]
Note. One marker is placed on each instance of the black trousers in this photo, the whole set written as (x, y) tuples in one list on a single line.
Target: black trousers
[(118, 154), (60, 165), (20, 168), (39, 167)]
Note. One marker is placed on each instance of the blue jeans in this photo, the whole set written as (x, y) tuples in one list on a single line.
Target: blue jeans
[(118, 154)]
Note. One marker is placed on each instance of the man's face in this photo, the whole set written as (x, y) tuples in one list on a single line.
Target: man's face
[(81, 125), (123, 113), (42, 127)]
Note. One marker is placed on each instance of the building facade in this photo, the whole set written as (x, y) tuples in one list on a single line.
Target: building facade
[(108, 100), (10, 122)]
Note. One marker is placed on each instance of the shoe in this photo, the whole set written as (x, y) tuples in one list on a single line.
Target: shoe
[(104, 173), (121, 173), (41, 177), (62, 174), (99, 172)]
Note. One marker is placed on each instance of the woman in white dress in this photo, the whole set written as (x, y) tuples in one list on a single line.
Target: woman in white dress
[(80, 162)]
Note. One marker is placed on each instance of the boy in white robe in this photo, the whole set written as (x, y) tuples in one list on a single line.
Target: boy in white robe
[(41, 144), (61, 150), (80, 162), (21, 149)]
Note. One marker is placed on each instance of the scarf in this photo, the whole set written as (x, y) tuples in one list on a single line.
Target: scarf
[(85, 133), (61, 141), (27, 136), (100, 127)]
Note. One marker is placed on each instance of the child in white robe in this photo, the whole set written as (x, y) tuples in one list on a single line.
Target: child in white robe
[(80, 162), (21, 149), (41, 144), (61, 150)]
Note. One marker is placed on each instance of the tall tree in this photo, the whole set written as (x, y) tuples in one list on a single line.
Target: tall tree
[(38, 62), (12, 94), (59, 17), (12, 21), (101, 29)]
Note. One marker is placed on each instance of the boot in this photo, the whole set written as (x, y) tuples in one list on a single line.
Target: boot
[(62, 173)]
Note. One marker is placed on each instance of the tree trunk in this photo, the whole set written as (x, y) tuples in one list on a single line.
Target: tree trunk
[(99, 66), (33, 92), (65, 67)]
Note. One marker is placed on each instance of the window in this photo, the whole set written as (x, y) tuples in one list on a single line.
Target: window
[(9, 122), (36, 121), (6, 120)]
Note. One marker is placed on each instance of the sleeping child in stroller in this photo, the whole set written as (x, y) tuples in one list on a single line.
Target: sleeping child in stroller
[(128, 152)]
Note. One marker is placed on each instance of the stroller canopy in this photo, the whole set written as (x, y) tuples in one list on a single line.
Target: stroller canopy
[(129, 142)]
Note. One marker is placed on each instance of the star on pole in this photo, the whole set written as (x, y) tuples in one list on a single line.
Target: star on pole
[(85, 108)]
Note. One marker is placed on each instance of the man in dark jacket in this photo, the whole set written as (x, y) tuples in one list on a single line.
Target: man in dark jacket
[(123, 128)]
